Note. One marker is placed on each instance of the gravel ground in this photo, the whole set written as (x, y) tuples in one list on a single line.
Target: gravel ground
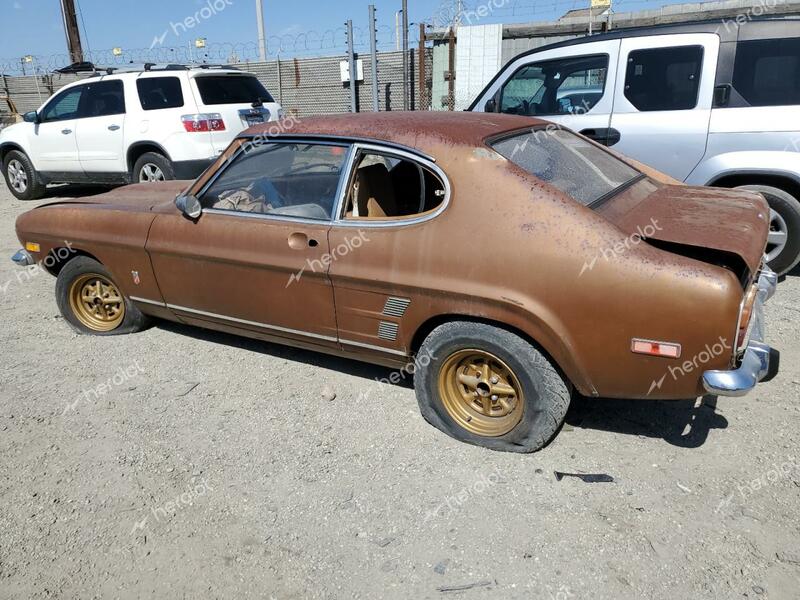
[(183, 463)]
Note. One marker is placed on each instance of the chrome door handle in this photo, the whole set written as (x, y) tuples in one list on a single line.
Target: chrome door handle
[(113, 127), (66, 131)]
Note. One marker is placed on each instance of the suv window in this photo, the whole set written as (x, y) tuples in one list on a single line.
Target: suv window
[(159, 92), (767, 72), (64, 106), (568, 162), (664, 78), (388, 187), (556, 87), (103, 98), (231, 89), (289, 179)]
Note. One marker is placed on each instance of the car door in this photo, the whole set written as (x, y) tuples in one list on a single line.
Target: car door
[(101, 128), (257, 258), (572, 86), (53, 144), (663, 100)]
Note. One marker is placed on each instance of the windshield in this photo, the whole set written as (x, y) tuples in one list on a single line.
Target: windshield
[(231, 89), (567, 161)]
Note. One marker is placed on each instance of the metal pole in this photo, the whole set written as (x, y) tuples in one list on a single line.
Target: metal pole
[(451, 73), (373, 48), (406, 69), (352, 58), (280, 81), (423, 104), (262, 39), (397, 36)]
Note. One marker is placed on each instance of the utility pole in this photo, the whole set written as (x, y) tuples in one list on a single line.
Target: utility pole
[(71, 30), (373, 46), (352, 59), (406, 69), (262, 38)]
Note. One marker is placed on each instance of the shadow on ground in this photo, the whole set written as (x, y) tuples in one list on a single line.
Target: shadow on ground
[(679, 423)]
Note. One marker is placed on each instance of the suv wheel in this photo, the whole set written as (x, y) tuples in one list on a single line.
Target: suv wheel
[(21, 178), (489, 387), (783, 246), (152, 167)]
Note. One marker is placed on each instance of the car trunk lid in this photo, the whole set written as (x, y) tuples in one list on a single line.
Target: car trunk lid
[(677, 217)]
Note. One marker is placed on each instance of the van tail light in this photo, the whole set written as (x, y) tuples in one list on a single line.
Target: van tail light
[(745, 318), (203, 122)]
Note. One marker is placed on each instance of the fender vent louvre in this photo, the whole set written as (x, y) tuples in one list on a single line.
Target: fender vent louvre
[(388, 331), (396, 307)]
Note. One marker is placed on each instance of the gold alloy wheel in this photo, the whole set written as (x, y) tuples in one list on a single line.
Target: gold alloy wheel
[(96, 302), (481, 393)]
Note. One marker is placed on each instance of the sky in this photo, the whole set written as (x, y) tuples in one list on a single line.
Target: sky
[(35, 26)]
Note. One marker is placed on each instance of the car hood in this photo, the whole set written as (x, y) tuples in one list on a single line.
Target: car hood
[(728, 221), (136, 197)]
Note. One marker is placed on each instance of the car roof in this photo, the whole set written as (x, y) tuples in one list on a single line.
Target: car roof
[(423, 131)]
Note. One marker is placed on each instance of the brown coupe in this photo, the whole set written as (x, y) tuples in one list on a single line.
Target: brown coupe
[(502, 259)]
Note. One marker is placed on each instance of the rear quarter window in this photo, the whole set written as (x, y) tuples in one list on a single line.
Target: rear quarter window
[(767, 72), (159, 92), (568, 162)]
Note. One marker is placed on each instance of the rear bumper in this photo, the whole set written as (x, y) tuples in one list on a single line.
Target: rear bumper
[(191, 169), (760, 362), (23, 259)]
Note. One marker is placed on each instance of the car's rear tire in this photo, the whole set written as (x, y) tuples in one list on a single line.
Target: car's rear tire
[(489, 387), (151, 167), (92, 303), (22, 179), (783, 248)]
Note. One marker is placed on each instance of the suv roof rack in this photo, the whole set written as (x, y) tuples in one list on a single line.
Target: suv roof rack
[(149, 67)]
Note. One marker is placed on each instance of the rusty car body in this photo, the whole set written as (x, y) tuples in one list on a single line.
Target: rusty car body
[(493, 253)]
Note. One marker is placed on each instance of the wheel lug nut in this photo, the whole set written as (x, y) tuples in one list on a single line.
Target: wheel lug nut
[(495, 379), (494, 397)]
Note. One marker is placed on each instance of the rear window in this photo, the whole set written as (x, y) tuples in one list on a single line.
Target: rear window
[(231, 89), (767, 72), (568, 162), (159, 92)]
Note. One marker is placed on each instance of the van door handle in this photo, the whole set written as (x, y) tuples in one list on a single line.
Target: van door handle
[(113, 127), (608, 136), (66, 131)]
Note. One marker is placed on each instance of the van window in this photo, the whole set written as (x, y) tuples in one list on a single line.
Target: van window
[(231, 89), (159, 92), (568, 162), (568, 86), (664, 78), (767, 72), (385, 186)]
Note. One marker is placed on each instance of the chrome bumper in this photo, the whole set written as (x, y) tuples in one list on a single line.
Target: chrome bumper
[(23, 259), (760, 362)]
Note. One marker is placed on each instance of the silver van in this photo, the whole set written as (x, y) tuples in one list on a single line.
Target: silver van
[(713, 103)]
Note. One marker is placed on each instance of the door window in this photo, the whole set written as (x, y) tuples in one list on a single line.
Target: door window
[(287, 179), (159, 92), (103, 98), (767, 72), (64, 106), (664, 78), (385, 186), (558, 87)]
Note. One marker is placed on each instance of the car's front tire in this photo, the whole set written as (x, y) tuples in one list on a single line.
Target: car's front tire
[(489, 387), (21, 178), (91, 302), (151, 167), (783, 247)]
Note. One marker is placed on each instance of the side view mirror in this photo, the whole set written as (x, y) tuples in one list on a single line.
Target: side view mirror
[(189, 205), (31, 117), (491, 106)]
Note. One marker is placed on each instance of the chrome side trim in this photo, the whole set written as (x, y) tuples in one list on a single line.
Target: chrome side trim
[(371, 347), (253, 323), (146, 301)]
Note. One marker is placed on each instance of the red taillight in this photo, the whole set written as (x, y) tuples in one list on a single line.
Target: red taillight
[(203, 122)]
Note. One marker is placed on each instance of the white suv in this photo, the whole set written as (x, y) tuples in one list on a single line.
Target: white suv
[(714, 103), (150, 124)]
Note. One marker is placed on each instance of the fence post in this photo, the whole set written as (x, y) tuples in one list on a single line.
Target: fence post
[(423, 94), (373, 48), (352, 59), (406, 69)]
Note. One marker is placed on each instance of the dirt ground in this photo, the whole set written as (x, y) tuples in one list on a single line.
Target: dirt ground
[(183, 463)]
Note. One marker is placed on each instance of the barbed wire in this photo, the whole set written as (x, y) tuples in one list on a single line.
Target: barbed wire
[(319, 43)]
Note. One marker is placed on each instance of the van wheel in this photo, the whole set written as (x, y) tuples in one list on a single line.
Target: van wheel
[(152, 167), (91, 302), (21, 178), (489, 387), (783, 246)]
